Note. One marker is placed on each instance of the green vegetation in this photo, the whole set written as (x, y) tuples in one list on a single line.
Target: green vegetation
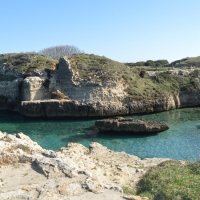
[(25, 62), (186, 62), (161, 62), (101, 68), (179, 83), (149, 63), (128, 190), (90, 64), (171, 180)]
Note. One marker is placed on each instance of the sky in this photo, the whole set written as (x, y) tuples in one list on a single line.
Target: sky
[(122, 30)]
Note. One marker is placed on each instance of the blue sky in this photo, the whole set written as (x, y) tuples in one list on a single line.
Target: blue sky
[(123, 30)]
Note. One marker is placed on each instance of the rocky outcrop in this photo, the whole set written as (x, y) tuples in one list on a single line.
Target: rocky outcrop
[(33, 89), (30, 172), (176, 71), (71, 108), (95, 95), (120, 124), (37, 88), (54, 108), (90, 90), (154, 105)]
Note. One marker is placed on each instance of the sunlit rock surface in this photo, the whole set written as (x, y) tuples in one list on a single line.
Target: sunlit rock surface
[(74, 172)]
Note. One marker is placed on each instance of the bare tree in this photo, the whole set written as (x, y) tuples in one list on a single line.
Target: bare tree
[(58, 51)]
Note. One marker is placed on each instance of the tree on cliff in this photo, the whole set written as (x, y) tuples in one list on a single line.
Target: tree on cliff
[(149, 63), (58, 51), (161, 62)]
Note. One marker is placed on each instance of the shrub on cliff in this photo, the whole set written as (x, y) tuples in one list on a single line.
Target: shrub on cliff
[(187, 62), (149, 63), (141, 63), (59, 51), (174, 83), (171, 180), (100, 69), (161, 62), (26, 62)]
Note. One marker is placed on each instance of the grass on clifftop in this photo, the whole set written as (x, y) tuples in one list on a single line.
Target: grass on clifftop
[(169, 180), (90, 64), (26, 62), (101, 68), (186, 62)]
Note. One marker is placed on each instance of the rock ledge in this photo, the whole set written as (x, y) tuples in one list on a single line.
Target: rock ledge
[(120, 124)]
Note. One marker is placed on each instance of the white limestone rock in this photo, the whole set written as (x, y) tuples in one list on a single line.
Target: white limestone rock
[(52, 167), (73, 170), (2, 135)]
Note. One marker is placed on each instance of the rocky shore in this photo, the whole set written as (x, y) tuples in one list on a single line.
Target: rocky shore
[(27, 171)]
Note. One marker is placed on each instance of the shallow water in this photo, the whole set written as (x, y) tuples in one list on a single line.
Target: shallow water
[(181, 141)]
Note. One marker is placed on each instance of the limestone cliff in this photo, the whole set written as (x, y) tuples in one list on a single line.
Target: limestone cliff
[(10, 94), (89, 85), (90, 89)]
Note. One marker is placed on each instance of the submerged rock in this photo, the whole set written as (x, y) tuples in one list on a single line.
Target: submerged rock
[(120, 124)]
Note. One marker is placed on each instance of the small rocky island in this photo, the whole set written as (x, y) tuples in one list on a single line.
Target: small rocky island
[(120, 124)]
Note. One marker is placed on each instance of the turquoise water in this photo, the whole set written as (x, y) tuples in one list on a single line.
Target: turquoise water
[(181, 141)]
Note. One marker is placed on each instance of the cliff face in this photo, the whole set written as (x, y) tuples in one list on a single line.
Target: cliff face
[(94, 91), (10, 94), (91, 97), (66, 108), (89, 90)]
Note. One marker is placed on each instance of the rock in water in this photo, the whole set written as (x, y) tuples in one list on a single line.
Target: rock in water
[(120, 124)]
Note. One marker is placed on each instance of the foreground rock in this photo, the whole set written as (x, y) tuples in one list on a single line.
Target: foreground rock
[(120, 124), (28, 171)]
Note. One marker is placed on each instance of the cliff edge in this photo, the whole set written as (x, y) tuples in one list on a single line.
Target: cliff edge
[(89, 85)]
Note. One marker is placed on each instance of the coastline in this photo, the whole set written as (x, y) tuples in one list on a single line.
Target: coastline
[(72, 172)]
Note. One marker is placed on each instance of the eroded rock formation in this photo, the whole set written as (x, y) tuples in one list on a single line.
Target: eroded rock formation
[(96, 95), (120, 124), (31, 172)]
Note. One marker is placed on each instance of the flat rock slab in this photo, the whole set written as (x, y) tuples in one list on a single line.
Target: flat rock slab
[(120, 124)]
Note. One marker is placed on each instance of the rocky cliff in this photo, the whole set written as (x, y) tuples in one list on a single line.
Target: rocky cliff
[(88, 85)]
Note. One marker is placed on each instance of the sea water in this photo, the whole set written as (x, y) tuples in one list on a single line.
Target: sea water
[(181, 141)]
